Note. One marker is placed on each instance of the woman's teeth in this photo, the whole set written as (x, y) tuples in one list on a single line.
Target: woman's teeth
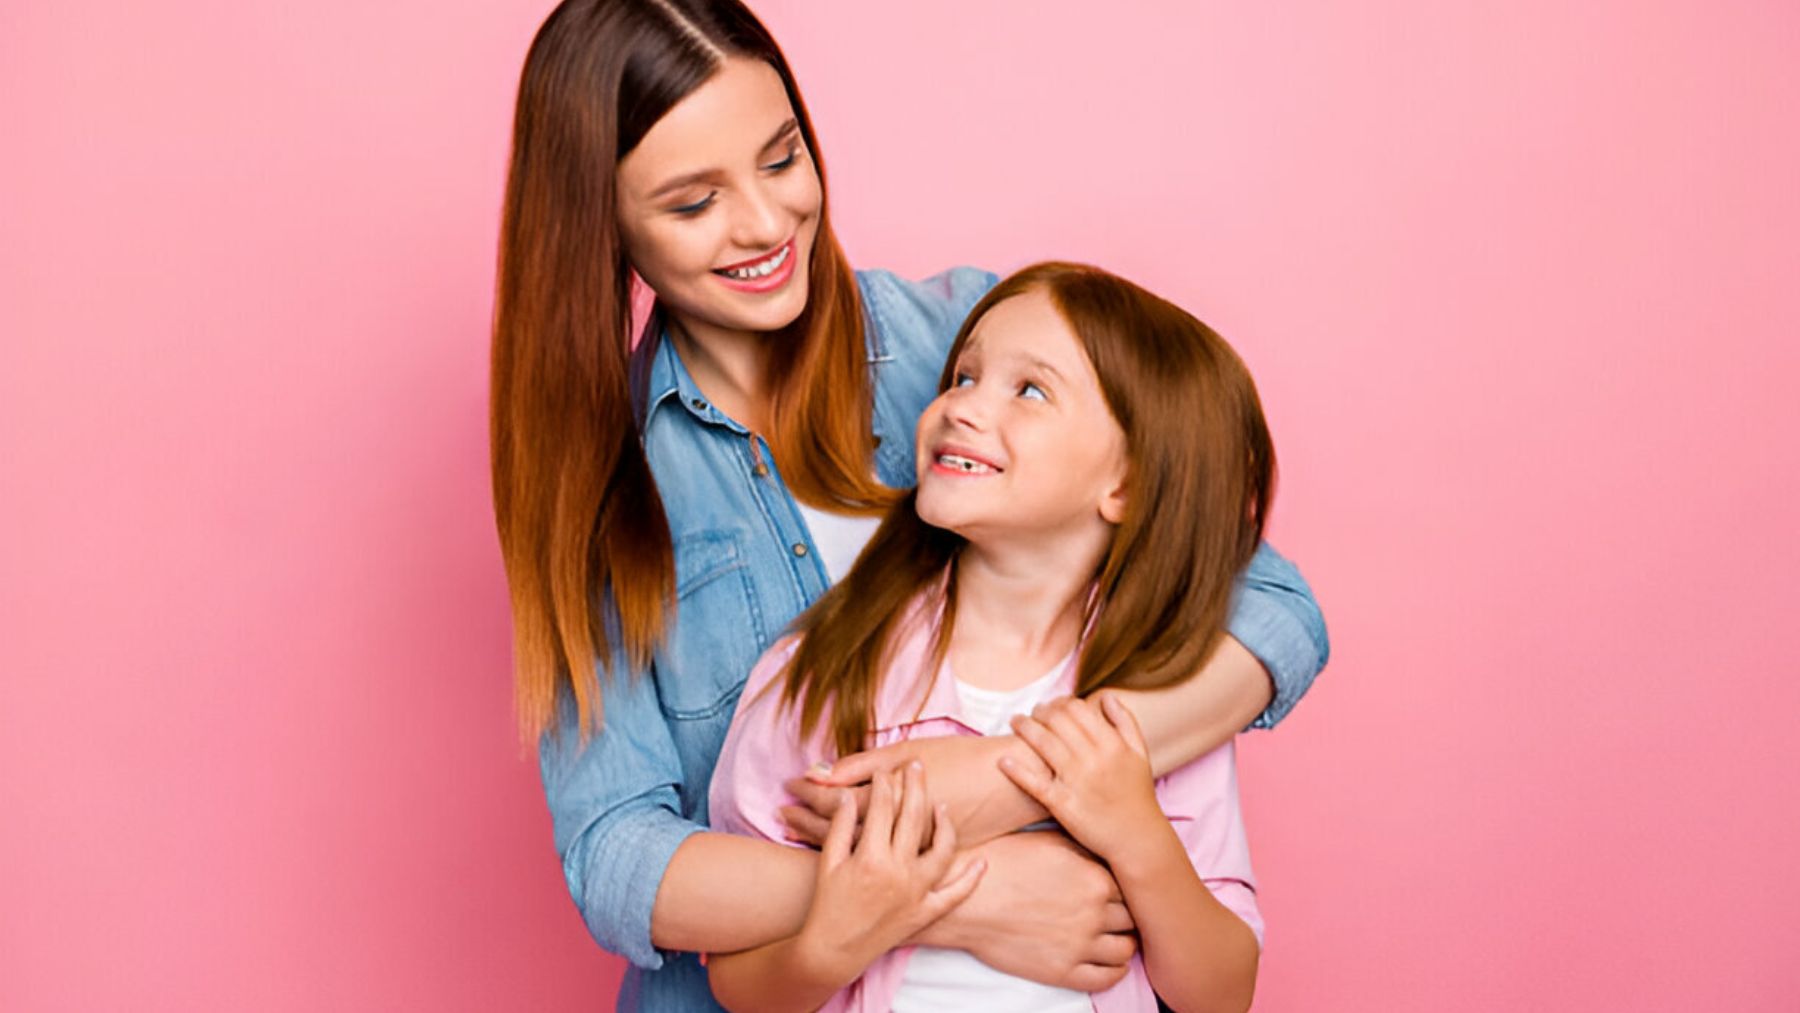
[(963, 464), (761, 270)]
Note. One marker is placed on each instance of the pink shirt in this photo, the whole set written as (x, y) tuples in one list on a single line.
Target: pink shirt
[(763, 749)]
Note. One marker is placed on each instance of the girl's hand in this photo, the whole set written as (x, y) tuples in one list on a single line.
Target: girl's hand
[(982, 803), (1099, 786), (872, 896)]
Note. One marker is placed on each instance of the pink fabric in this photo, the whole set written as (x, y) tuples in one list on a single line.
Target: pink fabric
[(763, 749)]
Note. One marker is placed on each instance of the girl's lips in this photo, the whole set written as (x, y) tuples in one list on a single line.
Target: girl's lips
[(961, 462), (764, 283)]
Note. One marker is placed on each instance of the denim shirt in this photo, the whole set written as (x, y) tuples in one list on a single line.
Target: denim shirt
[(745, 566)]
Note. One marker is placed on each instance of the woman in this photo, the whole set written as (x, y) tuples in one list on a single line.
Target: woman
[(668, 514)]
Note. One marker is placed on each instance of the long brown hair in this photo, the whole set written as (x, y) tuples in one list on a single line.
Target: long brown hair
[(589, 561), (1201, 471)]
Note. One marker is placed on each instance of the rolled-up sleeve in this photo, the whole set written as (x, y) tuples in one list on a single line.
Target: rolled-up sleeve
[(1275, 616), (616, 810)]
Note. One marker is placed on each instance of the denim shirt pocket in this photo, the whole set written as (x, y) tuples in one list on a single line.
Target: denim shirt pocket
[(713, 643)]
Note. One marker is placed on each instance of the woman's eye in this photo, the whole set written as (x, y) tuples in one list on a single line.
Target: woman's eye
[(784, 163), (1032, 392), (689, 210)]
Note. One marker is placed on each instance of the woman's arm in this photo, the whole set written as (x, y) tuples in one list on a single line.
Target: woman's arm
[(1277, 645), (1199, 953)]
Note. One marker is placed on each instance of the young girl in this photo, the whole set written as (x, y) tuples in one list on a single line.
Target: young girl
[(1066, 536)]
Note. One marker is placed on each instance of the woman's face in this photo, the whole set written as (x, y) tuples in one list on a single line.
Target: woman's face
[(719, 204)]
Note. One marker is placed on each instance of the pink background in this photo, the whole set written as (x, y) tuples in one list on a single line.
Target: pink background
[(1520, 286)]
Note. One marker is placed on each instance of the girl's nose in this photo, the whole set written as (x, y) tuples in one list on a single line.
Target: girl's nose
[(967, 408)]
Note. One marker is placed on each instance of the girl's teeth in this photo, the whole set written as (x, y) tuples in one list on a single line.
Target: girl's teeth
[(761, 270), (962, 463)]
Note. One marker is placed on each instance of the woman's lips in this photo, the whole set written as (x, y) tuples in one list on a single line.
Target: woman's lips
[(763, 274)]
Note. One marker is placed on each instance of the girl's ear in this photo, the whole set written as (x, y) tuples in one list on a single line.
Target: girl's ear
[(1112, 503)]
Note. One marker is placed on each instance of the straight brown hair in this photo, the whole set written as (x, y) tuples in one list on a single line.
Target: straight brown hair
[(1201, 472), (589, 561)]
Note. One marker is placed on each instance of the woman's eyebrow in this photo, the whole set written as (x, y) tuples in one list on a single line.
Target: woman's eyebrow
[(792, 125)]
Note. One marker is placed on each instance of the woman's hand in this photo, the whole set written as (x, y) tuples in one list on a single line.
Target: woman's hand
[(877, 893), (982, 803), (1046, 910), (1099, 785)]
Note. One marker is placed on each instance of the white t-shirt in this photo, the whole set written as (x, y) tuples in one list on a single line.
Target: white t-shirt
[(941, 979), (839, 538)]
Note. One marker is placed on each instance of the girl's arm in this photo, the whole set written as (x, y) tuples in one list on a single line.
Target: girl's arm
[(1199, 953), (1276, 646), (868, 900)]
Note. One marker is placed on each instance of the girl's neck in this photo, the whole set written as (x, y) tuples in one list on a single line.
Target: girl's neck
[(730, 368), (1017, 613)]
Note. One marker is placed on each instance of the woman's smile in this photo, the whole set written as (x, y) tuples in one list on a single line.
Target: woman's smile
[(764, 274)]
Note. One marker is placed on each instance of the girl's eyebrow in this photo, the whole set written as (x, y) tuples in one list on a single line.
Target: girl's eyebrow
[(690, 178), (1042, 366)]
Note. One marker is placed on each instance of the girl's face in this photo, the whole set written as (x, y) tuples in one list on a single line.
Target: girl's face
[(1023, 442), (719, 204)]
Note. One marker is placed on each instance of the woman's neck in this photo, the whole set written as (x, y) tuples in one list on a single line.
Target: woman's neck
[(1017, 613), (730, 368)]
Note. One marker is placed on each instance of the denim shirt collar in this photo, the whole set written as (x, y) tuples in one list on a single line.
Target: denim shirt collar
[(668, 377)]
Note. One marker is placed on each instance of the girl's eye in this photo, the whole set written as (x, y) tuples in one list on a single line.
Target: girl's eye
[(690, 210), (963, 380), (1032, 392)]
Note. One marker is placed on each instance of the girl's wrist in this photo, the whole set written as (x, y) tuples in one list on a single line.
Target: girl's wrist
[(831, 963), (1146, 858)]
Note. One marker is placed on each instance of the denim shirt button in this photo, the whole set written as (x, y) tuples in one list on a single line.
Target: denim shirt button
[(701, 405), (799, 548), (761, 470)]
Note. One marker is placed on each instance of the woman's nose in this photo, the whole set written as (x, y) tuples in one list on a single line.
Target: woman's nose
[(759, 223)]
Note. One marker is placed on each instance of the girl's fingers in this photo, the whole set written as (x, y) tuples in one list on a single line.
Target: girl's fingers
[(1035, 783), (804, 825), (855, 768), (1087, 715), (878, 825), (956, 887), (909, 828), (1045, 742), (837, 837), (1059, 717), (1121, 718), (943, 842)]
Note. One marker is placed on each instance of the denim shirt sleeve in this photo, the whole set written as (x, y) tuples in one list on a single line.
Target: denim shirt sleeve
[(616, 811), (1275, 616)]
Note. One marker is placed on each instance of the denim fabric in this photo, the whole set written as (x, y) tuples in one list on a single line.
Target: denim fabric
[(745, 566)]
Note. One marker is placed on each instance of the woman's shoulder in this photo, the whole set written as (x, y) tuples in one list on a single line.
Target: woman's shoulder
[(905, 314)]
